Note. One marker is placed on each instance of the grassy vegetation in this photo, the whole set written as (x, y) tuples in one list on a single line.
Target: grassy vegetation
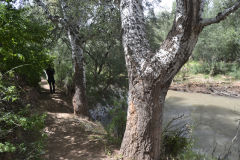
[(223, 72), (177, 139)]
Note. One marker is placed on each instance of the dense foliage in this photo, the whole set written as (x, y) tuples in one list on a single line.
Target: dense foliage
[(106, 74), (218, 48), (23, 43), (23, 48), (21, 134), (105, 64)]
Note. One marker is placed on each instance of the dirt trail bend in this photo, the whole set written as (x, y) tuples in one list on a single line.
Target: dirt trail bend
[(69, 137)]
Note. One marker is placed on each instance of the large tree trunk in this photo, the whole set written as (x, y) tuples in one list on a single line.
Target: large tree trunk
[(144, 123), (80, 105), (150, 74)]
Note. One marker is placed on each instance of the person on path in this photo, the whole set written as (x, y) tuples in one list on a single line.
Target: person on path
[(50, 77)]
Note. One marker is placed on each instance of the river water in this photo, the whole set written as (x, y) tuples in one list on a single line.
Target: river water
[(214, 119)]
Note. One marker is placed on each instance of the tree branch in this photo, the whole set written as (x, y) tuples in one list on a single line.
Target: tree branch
[(104, 59), (161, 66), (134, 38), (66, 41), (54, 19), (90, 55), (221, 15)]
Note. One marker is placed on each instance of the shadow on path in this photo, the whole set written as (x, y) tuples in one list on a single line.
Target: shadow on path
[(69, 137)]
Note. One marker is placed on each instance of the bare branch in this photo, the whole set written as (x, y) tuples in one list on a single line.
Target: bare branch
[(221, 15), (90, 55), (16, 68), (135, 42)]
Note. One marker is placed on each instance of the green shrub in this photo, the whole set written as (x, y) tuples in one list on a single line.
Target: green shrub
[(235, 75), (213, 69), (178, 142), (176, 137), (21, 135), (191, 155), (116, 127), (200, 67), (23, 43), (235, 71)]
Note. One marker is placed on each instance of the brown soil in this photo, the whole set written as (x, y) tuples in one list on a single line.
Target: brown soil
[(222, 89), (69, 137)]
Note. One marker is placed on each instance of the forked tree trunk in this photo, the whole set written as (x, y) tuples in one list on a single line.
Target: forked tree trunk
[(150, 74), (79, 101)]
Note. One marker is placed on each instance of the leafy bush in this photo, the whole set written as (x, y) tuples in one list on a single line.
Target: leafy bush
[(199, 67), (116, 127), (21, 135), (176, 137), (235, 71), (235, 74), (178, 141), (195, 67), (23, 43)]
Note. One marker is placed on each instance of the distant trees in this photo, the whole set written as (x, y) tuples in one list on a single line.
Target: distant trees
[(93, 34), (219, 43), (157, 27), (212, 57), (105, 64), (73, 16), (150, 73)]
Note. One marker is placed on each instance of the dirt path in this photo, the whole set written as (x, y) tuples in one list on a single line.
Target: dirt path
[(69, 137)]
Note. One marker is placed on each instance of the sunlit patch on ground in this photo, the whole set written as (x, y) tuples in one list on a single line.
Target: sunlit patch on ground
[(69, 137)]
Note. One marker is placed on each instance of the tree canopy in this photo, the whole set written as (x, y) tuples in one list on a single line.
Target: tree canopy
[(23, 43)]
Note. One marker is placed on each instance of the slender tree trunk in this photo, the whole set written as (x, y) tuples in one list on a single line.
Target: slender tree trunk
[(79, 100)]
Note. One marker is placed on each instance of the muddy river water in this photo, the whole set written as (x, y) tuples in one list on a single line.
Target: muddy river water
[(214, 118)]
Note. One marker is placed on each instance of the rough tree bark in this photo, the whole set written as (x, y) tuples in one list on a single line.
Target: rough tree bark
[(79, 100), (150, 74)]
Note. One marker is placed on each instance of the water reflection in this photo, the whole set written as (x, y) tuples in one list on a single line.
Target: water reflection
[(214, 118)]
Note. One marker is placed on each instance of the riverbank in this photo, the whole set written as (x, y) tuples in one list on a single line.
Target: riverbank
[(222, 86)]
